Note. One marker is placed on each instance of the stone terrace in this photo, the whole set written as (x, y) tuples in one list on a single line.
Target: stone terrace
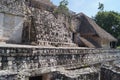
[(35, 60)]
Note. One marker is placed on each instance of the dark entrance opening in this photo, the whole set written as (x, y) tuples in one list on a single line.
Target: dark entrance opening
[(113, 44), (36, 78), (73, 37)]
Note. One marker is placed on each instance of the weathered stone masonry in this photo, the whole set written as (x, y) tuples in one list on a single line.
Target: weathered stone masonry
[(47, 28), (33, 61), (32, 22)]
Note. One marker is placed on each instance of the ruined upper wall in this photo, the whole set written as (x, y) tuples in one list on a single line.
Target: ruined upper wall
[(38, 23), (19, 7), (45, 28), (48, 29), (15, 7)]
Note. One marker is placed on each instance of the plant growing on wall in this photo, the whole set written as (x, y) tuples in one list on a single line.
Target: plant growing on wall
[(62, 8)]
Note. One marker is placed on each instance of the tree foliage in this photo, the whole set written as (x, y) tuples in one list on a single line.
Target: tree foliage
[(110, 21), (101, 6), (62, 8)]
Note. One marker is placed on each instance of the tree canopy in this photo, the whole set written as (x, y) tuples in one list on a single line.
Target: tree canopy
[(110, 21)]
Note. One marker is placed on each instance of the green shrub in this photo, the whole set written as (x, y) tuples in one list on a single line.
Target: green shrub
[(62, 8)]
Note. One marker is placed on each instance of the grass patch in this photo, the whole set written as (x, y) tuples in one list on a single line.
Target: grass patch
[(118, 47)]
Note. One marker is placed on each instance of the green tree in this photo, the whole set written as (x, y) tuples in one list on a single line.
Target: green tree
[(110, 21), (101, 6), (64, 3), (62, 8)]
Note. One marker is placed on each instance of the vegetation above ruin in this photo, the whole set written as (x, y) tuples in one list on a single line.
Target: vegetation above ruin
[(62, 8)]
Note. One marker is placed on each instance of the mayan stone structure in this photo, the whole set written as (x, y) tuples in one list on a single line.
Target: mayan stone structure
[(45, 28), (50, 29), (37, 44)]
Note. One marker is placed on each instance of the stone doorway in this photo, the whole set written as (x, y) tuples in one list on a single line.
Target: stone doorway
[(36, 78)]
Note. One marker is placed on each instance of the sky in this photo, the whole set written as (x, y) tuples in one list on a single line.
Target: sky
[(90, 7)]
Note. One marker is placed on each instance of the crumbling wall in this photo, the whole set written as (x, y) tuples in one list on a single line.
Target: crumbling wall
[(48, 28), (92, 76), (37, 24), (107, 74), (52, 29), (8, 77)]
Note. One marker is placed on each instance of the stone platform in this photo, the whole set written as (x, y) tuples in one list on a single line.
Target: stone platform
[(26, 60)]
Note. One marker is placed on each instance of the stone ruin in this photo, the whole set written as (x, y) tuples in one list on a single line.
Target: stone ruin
[(33, 22)]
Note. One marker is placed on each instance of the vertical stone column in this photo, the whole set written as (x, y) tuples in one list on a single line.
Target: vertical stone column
[(46, 76), (10, 62)]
